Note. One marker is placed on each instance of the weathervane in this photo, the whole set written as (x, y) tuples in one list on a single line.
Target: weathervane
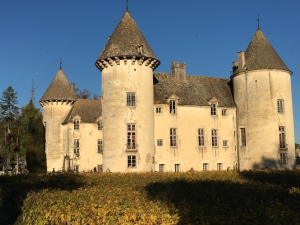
[(127, 5), (258, 22), (60, 63)]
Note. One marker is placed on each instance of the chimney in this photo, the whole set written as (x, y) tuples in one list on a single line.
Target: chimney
[(241, 60), (178, 71)]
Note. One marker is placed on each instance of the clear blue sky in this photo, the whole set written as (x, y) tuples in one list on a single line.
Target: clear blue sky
[(206, 35)]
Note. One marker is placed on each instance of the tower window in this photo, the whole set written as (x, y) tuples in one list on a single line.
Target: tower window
[(214, 137), (282, 138), (131, 137), (131, 161), (130, 99), (283, 158), (158, 110), (76, 124), (243, 136), (200, 137), (280, 106), (100, 125), (76, 147), (100, 146), (172, 106), (173, 137)]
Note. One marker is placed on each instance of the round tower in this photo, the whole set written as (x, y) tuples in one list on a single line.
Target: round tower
[(57, 103), (127, 63), (263, 96)]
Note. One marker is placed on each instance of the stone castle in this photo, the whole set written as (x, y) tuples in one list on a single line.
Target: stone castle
[(154, 121)]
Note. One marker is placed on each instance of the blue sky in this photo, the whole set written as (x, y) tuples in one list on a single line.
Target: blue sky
[(206, 35)]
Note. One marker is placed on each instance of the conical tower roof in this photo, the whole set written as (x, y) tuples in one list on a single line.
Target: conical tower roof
[(261, 55), (60, 89), (125, 41)]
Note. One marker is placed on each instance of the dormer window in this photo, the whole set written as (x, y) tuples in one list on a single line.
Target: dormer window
[(172, 106), (213, 109), (76, 124)]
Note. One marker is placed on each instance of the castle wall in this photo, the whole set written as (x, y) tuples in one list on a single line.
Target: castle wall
[(256, 94), (117, 81), (188, 154)]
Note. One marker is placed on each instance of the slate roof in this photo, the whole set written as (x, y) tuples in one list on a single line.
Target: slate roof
[(261, 55), (59, 89), (88, 110), (196, 91), (125, 40)]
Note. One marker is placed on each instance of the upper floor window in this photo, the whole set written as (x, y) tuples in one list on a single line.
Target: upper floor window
[(173, 137), (213, 109), (76, 124), (158, 110), (130, 100), (243, 136), (214, 137), (282, 137), (100, 146), (172, 106), (76, 147), (280, 106), (131, 136), (225, 143), (200, 137), (100, 125), (224, 112), (159, 142)]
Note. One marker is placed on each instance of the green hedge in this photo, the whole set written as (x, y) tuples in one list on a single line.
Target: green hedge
[(217, 197)]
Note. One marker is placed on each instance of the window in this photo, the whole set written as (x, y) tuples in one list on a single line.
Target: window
[(100, 146), (243, 136), (172, 106), (159, 142), (224, 112), (205, 166), (100, 125), (161, 167), (76, 124), (173, 137), (131, 161), (213, 109), (219, 166), (76, 146), (214, 137), (76, 168), (177, 168), (158, 110), (280, 106), (200, 137), (130, 99), (225, 143), (131, 136), (282, 140), (283, 157)]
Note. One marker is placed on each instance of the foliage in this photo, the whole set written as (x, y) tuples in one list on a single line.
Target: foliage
[(85, 94), (8, 103), (35, 154), (217, 197)]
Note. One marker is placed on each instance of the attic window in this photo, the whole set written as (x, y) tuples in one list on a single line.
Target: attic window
[(213, 109), (172, 106), (140, 49), (76, 124), (100, 125)]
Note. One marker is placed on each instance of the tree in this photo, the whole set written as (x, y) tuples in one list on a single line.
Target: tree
[(8, 103), (85, 94)]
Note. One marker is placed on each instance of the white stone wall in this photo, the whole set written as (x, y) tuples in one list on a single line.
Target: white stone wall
[(256, 94), (187, 120), (117, 80), (53, 115)]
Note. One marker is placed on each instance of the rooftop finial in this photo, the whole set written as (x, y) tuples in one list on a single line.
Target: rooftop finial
[(258, 22), (127, 5), (60, 63)]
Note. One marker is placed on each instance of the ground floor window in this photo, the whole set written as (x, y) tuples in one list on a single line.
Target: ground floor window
[(283, 158), (131, 161), (177, 168), (76, 168), (161, 167), (205, 166), (219, 166)]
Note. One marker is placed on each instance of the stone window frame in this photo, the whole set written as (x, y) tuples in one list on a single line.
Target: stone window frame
[(131, 99), (131, 161)]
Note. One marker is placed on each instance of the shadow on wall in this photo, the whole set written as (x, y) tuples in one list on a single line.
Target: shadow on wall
[(240, 200), (270, 163)]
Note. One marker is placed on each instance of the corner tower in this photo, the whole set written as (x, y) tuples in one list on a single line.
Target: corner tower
[(263, 96), (127, 63), (57, 103)]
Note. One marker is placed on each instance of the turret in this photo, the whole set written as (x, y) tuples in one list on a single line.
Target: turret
[(57, 103), (263, 96), (127, 63)]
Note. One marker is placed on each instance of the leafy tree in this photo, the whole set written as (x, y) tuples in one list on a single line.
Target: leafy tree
[(35, 154), (85, 94)]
